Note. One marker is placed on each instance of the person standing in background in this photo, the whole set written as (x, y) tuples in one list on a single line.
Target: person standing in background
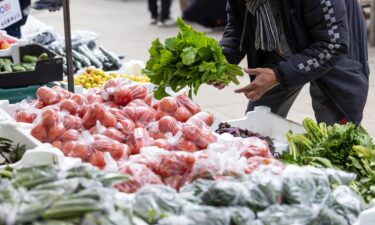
[(15, 29), (163, 18)]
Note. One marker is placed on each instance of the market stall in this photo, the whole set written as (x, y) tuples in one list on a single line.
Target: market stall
[(125, 151)]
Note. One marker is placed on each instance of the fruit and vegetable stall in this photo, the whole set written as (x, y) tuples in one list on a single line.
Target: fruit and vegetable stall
[(133, 148)]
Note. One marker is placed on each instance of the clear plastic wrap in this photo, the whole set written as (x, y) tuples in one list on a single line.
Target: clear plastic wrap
[(140, 175), (346, 203), (288, 215), (226, 193), (208, 215), (49, 96), (153, 202)]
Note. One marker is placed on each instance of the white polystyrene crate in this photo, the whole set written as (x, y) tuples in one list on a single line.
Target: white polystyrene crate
[(17, 134), (13, 49), (366, 217), (45, 155), (266, 123)]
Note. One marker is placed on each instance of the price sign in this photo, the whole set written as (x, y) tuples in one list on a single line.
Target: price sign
[(10, 13)]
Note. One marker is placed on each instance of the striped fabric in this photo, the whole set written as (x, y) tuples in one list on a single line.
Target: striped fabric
[(267, 36)]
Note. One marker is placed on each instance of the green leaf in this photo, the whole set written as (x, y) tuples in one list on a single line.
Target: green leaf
[(166, 57), (189, 55)]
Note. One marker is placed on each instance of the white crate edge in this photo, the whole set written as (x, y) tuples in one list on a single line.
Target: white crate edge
[(263, 121), (45, 155)]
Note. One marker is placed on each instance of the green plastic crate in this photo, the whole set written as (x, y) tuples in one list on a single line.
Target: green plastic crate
[(14, 95)]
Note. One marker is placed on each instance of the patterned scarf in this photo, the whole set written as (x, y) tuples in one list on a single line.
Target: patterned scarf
[(267, 37)]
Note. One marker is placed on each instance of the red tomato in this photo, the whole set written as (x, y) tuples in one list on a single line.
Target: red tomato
[(126, 126), (68, 147), (204, 140), (25, 117), (206, 117), (111, 104), (39, 132), (97, 159), (148, 100), (138, 139), (123, 96), (168, 124), (72, 122), (89, 119), (186, 145), (113, 83), (81, 150), (182, 114), (144, 115), (107, 119), (83, 110), (70, 135), (185, 101), (162, 143), (191, 131), (39, 104), (79, 99), (65, 94), (50, 118), (57, 144), (168, 104), (114, 134), (93, 98), (48, 96), (55, 132), (156, 105), (70, 106), (115, 148), (137, 102), (138, 91), (160, 114)]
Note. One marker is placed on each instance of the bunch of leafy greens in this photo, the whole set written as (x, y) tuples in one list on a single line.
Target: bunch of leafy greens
[(344, 147), (10, 152), (188, 60)]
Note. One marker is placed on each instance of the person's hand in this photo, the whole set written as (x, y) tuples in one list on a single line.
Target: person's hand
[(265, 79), (217, 85)]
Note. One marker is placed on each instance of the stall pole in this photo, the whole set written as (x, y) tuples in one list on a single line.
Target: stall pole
[(68, 45)]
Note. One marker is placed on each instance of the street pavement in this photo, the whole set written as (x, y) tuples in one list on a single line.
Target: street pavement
[(124, 27)]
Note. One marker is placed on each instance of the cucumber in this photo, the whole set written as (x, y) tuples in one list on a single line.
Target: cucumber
[(19, 69), (75, 202), (29, 214), (81, 58), (77, 65), (68, 212), (28, 66), (86, 52), (43, 56), (112, 57), (29, 59), (7, 66), (99, 55)]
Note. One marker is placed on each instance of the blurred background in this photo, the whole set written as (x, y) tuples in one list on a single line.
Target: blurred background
[(124, 27)]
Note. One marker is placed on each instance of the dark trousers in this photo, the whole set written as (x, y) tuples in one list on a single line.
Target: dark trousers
[(280, 100), (165, 9)]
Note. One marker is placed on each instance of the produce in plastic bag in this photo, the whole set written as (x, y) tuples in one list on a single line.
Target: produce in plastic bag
[(226, 193), (346, 203), (168, 124), (69, 106), (138, 139), (105, 144), (208, 215), (256, 147), (48, 96), (140, 175), (153, 202), (242, 216), (25, 117), (175, 220), (206, 117), (288, 214)]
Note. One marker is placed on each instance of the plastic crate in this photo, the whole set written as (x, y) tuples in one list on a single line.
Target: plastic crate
[(48, 70), (14, 95)]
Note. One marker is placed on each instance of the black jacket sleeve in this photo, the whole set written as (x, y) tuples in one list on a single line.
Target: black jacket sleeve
[(328, 25), (232, 35)]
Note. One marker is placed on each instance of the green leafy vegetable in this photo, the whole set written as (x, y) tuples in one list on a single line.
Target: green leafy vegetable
[(9, 152), (189, 59), (343, 147)]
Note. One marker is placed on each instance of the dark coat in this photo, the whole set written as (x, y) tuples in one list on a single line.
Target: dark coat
[(329, 42)]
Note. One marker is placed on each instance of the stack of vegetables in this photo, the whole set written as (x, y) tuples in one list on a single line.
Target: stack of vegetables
[(304, 196), (344, 147), (48, 195)]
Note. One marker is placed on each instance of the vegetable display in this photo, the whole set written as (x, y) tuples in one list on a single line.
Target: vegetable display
[(92, 78), (188, 60), (5, 44), (10, 152), (344, 147), (304, 196), (115, 122), (48, 195), (28, 64)]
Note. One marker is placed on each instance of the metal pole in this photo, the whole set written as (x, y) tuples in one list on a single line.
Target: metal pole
[(68, 45)]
